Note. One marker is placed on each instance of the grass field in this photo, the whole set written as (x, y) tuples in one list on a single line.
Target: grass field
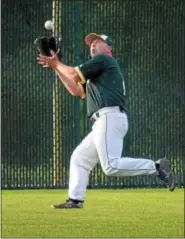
[(136, 213)]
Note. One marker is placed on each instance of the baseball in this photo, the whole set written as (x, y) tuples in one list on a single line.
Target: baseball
[(49, 25)]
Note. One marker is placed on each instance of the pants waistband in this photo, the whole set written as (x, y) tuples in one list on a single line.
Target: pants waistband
[(105, 110)]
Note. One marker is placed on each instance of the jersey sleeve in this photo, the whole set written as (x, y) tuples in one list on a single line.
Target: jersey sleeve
[(91, 68)]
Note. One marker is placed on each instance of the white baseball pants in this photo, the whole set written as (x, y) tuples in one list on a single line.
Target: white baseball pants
[(104, 144)]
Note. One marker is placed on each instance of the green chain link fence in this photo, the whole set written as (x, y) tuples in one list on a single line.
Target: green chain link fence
[(42, 123)]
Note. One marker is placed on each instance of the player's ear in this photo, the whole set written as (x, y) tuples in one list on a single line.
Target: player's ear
[(110, 48)]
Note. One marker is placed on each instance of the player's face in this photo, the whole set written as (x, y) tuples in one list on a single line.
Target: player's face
[(98, 47)]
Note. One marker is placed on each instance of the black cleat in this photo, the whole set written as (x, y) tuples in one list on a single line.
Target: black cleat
[(165, 173), (68, 205)]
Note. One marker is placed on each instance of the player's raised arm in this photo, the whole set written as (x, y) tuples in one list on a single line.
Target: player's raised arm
[(67, 74), (50, 53)]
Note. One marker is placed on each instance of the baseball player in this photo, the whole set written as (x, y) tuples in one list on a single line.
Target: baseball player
[(100, 81)]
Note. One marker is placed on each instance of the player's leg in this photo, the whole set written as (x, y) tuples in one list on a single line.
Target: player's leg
[(83, 160), (110, 130)]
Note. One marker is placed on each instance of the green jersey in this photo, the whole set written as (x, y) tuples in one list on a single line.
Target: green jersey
[(103, 83)]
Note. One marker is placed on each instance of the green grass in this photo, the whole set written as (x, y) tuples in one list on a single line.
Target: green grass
[(108, 213)]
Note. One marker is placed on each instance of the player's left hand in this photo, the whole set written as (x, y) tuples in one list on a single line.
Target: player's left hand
[(48, 61), (49, 49)]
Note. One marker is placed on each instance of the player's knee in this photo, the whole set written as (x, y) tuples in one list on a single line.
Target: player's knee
[(109, 171), (75, 158)]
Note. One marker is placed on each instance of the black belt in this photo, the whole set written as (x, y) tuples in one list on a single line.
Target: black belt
[(98, 115)]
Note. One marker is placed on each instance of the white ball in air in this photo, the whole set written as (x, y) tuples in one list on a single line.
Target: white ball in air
[(48, 25)]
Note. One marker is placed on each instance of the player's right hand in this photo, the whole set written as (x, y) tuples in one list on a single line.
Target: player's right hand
[(48, 61)]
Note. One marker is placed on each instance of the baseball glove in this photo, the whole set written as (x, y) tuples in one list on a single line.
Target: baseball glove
[(45, 44)]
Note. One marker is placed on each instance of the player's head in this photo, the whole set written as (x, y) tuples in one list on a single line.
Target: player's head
[(98, 44)]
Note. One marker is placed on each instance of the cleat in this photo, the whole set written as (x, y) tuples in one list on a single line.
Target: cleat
[(67, 205), (165, 173)]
